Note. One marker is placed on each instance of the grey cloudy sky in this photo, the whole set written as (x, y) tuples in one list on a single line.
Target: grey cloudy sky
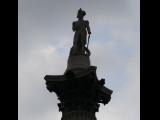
[(44, 40)]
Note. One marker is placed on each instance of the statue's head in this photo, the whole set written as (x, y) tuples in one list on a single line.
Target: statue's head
[(81, 13)]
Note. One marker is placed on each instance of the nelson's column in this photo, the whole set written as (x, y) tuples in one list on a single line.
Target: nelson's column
[(78, 89)]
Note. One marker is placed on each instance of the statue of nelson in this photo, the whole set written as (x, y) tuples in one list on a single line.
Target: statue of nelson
[(80, 27)]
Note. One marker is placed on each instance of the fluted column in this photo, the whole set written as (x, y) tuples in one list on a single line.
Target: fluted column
[(78, 115)]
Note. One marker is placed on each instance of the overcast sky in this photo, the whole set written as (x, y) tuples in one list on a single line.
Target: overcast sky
[(45, 37)]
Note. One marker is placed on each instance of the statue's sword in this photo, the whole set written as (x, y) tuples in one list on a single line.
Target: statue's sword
[(88, 40)]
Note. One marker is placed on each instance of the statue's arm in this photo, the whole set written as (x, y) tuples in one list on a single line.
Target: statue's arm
[(73, 26), (88, 27)]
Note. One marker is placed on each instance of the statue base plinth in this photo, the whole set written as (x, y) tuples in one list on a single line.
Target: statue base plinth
[(78, 63)]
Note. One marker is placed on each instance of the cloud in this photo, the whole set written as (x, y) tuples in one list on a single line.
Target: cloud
[(124, 104), (34, 99)]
